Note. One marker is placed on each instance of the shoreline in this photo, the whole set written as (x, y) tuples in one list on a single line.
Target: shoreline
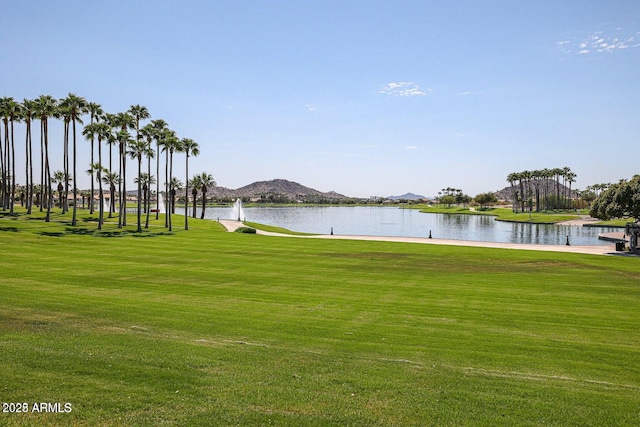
[(605, 249)]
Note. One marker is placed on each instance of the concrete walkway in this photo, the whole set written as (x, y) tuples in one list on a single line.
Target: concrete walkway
[(606, 249)]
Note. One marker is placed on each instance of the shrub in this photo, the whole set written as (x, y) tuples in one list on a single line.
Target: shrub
[(247, 230)]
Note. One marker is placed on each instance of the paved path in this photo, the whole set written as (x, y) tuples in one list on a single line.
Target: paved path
[(606, 249)]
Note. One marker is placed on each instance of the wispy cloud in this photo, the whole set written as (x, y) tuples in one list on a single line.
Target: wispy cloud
[(403, 89), (311, 107), (601, 42), (411, 147)]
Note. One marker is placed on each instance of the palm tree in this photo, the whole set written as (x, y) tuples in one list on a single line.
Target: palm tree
[(159, 128), (28, 113), (46, 107), (102, 131), (206, 180), (139, 113), (125, 121), (174, 186), (138, 149), (146, 180), (571, 178), (95, 112), (76, 107), (148, 132), (169, 142), (196, 184), (511, 179), (10, 111), (124, 139), (111, 179), (3, 171), (14, 111), (189, 147), (95, 170), (60, 177)]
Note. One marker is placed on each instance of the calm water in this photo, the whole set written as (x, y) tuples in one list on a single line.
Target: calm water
[(391, 221)]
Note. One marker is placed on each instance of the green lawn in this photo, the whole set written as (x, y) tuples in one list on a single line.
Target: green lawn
[(212, 328), (502, 214)]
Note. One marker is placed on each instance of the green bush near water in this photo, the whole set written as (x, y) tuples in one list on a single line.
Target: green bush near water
[(245, 230), (212, 328)]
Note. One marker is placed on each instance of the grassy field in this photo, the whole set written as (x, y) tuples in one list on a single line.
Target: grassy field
[(212, 328), (504, 214)]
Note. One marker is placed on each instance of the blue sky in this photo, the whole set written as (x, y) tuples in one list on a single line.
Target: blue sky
[(360, 97)]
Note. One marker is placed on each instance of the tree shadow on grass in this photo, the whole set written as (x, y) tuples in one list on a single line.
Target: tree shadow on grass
[(79, 231), (13, 229)]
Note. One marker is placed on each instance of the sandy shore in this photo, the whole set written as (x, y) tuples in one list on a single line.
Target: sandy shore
[(606, 249)]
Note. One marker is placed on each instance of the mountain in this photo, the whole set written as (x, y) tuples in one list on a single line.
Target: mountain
[(407, 196), (276, 190)]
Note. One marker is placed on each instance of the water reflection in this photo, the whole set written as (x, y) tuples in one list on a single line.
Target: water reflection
[(390, 221)]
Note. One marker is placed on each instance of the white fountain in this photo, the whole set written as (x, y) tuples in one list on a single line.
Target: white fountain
[(237, 213), (106, 205), (160, 204)]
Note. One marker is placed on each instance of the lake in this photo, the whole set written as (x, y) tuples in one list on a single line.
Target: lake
[(391, 221)]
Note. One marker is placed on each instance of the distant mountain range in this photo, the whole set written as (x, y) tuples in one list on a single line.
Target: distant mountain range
[(276, 190), (407, 196)]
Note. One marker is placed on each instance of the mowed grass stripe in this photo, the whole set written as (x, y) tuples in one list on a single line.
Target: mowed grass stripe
[(212, 328)]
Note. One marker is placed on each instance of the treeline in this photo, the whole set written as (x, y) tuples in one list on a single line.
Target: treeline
[(542, 190), (122, 130)]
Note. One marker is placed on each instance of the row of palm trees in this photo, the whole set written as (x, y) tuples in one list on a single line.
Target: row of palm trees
[(542, 188), (113, 129)]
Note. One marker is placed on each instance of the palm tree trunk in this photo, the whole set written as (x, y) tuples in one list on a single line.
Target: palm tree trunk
[(157, 180), (42, 165), (13, 175), (29, 168), (186, 194), (2, 172), (140, 201), (92, 176), (120, 184), (169, 212), (166, 190), (148, 192), (100, 193), (204, 201), (74, 221), (112, 205), (47, 172)]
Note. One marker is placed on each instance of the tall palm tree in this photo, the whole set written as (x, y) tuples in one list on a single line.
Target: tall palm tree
[(189, 147), (571, 178), (11, 112), (138, 149), (206, 181), (95, 112), (28, 113), (146, 180), (175, 186), (111, 179), (3, 150), (124, 139), (102, 132), (46, 107), (159, 128), (139, 113), (77, 107), (511, 179), (196, 184), (14, 111), (148, 133), (125, 121), (60, 177), (171, 144)]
